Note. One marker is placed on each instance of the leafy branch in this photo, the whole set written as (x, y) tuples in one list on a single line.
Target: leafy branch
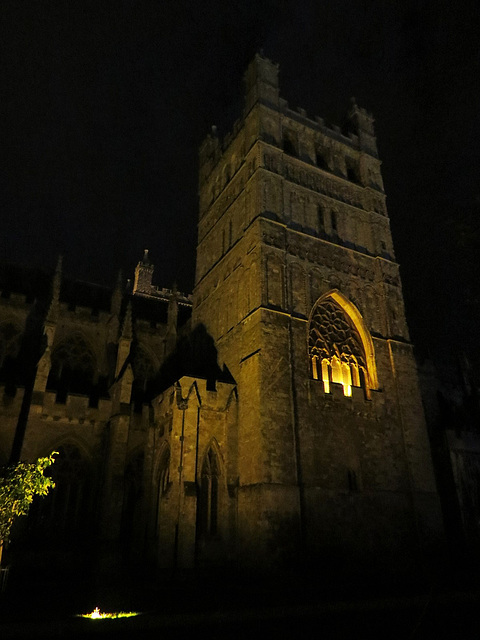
[(18, 485)]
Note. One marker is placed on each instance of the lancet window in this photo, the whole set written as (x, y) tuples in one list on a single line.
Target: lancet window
[(336, 350), (209, 483), (164, 473), (163, 482)]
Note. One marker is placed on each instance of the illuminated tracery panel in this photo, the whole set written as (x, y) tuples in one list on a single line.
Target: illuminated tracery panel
[(337, 349)]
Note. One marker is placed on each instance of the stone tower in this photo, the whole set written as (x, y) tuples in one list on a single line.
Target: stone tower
[(297, 283)]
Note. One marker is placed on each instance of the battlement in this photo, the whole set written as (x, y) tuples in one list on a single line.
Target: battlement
[(82, 313), (75, 410), (162, 293), (262, 90), (142, 284)]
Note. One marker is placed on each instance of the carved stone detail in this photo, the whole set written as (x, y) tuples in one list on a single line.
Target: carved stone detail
[(332, 333)]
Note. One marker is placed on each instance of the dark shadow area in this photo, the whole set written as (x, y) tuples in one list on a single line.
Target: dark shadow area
[(222, 606), (194, 355)]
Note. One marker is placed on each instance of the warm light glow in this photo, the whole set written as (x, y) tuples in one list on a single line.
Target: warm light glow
[(336, 370), (325, 376), (355, 376), (339, 337), (99, 615), (347, 379)]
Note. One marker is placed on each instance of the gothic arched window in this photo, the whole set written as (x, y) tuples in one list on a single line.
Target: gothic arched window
[(73, 368), (67, 507), (208, 505), (336, 348)]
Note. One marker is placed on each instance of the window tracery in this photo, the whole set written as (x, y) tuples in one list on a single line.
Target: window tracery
[(73, 368), (336, 349)]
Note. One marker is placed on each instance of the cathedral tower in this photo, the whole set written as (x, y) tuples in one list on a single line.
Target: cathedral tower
[(297, 283)]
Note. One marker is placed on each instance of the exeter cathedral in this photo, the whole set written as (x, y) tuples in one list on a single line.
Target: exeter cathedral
[(272, 418)]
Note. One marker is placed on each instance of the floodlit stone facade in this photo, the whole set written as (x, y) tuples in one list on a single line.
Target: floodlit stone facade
[(297, 283), (282, 426)]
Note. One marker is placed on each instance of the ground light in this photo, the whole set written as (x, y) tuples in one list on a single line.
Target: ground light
[(99, 615)]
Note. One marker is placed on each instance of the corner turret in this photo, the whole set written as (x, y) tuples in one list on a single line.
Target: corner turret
[(143, 275), (261, 83), (360, 122)]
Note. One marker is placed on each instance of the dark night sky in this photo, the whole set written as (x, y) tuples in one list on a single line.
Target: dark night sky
[(105, 103)]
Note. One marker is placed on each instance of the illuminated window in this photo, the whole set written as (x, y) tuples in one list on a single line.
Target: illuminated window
[(336, 349), (326, 375)]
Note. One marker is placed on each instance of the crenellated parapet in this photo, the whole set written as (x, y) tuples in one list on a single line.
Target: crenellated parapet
[(349, 153), (278, 163)]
